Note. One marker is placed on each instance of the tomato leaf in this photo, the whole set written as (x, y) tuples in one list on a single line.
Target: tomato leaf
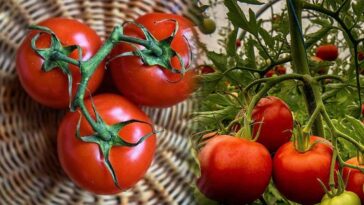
[(254, 2), (237, 17), (231, 43)]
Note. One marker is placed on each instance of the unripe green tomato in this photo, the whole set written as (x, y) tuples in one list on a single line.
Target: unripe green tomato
[(346, 198), (207, 26)]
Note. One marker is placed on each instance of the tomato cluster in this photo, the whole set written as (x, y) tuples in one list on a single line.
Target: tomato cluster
[(276, 70), (139, 84), (235, 170)]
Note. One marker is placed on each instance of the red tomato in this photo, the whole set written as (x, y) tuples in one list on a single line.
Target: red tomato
[(205, 69), (355, 178), (274, 118), (295, 174), (151, 85), (362, 109), (51, 88), (83, 162), (270, 73), (238, 43), (280, 69), (327, 52), (361, 55), (233, 170)]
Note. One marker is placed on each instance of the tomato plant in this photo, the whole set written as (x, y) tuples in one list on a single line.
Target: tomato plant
[(273, 122), (347, 197), (355, 178), (228, 173), (296, 174), (154, 85), (322, 88), (51, 88), (83, 162), (327, 52)]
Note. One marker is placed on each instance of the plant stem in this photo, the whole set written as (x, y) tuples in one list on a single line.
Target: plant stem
[(299, 59)]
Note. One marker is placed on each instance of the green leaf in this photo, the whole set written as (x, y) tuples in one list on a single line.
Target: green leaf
[(313, 38), (237, 17), (231, 43), (254, 2), (200, 198), (250, 53), (267, 38), (219, 60), (358, 8)]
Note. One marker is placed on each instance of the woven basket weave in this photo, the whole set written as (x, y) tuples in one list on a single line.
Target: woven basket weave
[(29, 169)]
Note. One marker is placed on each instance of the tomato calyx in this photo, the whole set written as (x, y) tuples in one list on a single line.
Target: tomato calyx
[(56, 55), (156, 52), (302, 140), (107, 136)]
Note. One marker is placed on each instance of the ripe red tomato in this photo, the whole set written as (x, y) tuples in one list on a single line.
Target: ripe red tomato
[(361, 55), (280, 69), (205, 69), (83, 162), (51, 88), (151, 85), (327, 52), (270, 73), (362, 109), (355, 178), (238, 43), (233, 170), (275, 120), (295, 174)]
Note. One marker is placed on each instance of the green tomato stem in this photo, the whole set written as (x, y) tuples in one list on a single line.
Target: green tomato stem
[(299, 59), (360, 157)]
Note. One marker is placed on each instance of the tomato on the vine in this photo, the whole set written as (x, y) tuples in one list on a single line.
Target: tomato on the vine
[(270, 73), (280, 69), (51, 88), (84, 163), (345, 198), (238, 43), (355, 178), (296, 174), (361, 55), (153, 85), (274, 122), (327, 52), (234, 170)]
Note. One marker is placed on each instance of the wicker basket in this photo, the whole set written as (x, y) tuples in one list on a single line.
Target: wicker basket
[(29, 169)]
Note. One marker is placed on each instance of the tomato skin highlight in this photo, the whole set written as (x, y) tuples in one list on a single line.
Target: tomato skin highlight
[(275, 120), (295, 174), (83, 162), (346, 198), (328, 52), (234, 170), (151, 85), (355, 178), (51, 88)]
